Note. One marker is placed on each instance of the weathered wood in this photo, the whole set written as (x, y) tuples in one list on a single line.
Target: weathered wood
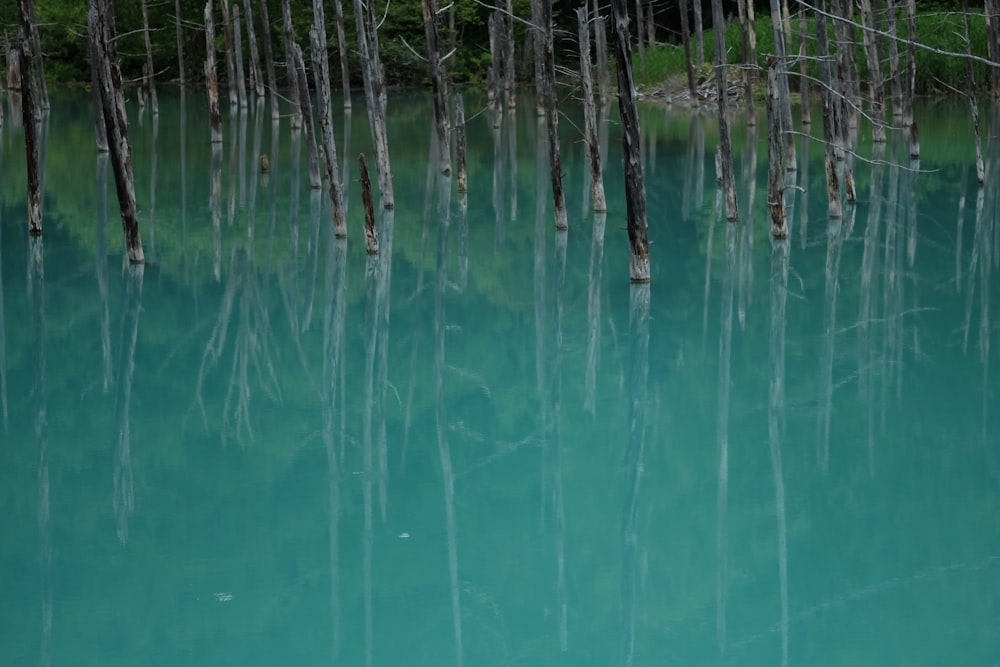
[(725, 148), (256, 75), (509, 68), (590, 115), (552, 114), (688, 65), (784, 95), (227, 37), (211, 76), (345, 73), (329, 143), (302, 86), (699, 37), (38, 62), (149, 73), (911, 61), (875, 83), (640, 44), (371, 233), (116, 123), (13, 69), (180, 42), (494, 73), (775, 170), (914, 141), (804, 96), (371, 68), (849, 191), (25, 55), (100, 130), (241, 79), (439, 86), (463, 179), (293, 80), (601, 48), (970, 92), (272, 84), (749, 62), (834, 209), (635, 184), (895, 78)]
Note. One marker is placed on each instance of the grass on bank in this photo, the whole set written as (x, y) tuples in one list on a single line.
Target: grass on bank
[(936, 74)]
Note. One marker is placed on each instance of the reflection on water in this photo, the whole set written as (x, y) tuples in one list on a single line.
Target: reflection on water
[(483, 446)]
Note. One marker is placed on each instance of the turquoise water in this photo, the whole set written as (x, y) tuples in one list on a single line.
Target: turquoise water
[(485, 447)]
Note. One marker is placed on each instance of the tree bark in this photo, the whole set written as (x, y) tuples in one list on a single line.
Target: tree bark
[(635, 185), (293, 79), (894, 73), (227, 34), (834, 209), (590, 115), (775, 171), (970, 91), (100, 130), (509, 70), (463, 179), (302, 85), (911, 61), (784, 94), (38, 60), (345, 73), (638, 31), (371, 233), (256, 75), (721, 86), (241, 80), (875, 85), (688, 66), (116, 123), (211, 77), (329, 143), (494, 24), (749, 61), (439, 85), (804, 72), (371, 67), (552, 115), (699, 37), (150, 79), (28, 116), (269, 62), (601, 46), (180, 41)]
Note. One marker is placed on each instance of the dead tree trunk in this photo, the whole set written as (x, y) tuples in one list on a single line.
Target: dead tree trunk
[(775, 172), (100, 130), (804, 72), (834, 209), (911, 61), (749, 61), (439, 85), (36, 52), (150, 79), (688, 66), (970, 91), (551, 113), (721, 86), (371, 68), (635, 185), (320, 68), (699, 37), (463, 180), (227, 36), (116, 123), (601, 46), (371, 233), (256, 76), (493, 76), (590, 115), (180, 41), (28, 116), (509, 70), (638, 31), (302, 85), (241, 79), (211, 76), (894, 73), (784, 94), (345, 73), (269, 62), (993, 42), (289, 36), (875, 85)]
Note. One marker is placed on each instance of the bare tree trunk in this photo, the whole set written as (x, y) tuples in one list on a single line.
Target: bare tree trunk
[(371, 233), (876, 85), (551, 114), (38, 60), (256, 76), (804, 72), (227, 34), (784, 94), (911, 76), (100, 130), (749, 61), (241, 80), (775, 172), (699, 37), (115, 121), (440, 86), (302, 85), (293, 79), (510, 73), (635, 185), (970, 91), (211, 77), (345, 74), (371, 67), (269, 62), (894, 73), (463, 180), (992, 11), (721, 86), (601, 45), (590, 115), (686, 38), (494, 26), (28, 116), (832, 181), (180, 41), (320, 67), (150, 72), (638, 31)]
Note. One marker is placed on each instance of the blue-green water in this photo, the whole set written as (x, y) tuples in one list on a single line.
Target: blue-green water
[(485, 447)]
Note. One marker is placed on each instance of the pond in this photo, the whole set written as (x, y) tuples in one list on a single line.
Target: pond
[(484, 446)]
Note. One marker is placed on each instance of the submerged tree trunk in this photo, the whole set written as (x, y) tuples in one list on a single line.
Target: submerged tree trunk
[(293, 79), (509, 70), (804, 73), (302, 85), (688, 66), (28, 117), (832, 181), (241, 80), (345, 73), (875, 84), (36, 52), (784, 94), (272, 83), (970, 91), (551, 114), (211, 77), (180, 41), (601, 45), (775, 172), (227, 35), (320, 68), (109, 80), (590, 116), (638, 31), (256, 75), (463, 181), (371, 67), (894, 73), (635, 185), (439, 85), (371, 233), (721, 86), (699, 36), (149, 74)]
